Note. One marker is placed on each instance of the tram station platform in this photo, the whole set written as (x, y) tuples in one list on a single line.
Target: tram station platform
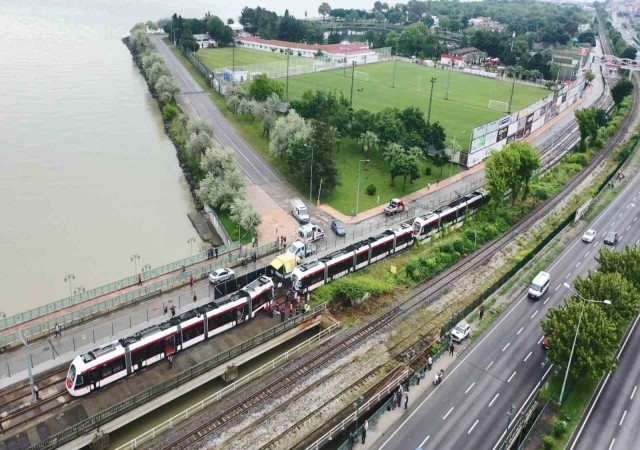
[(71, 424)]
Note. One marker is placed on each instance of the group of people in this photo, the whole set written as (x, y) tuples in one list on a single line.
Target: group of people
[(293, 304), (212, 253), (282, 241)]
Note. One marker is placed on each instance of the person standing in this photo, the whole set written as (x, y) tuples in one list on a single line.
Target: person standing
[(364, 434), (406, 400), (429, 363), (215, 252), (170, 359), (173, 310), (451, 348), (36, 391), (56, 331), (139, 279), (481, 312), (191, 280)]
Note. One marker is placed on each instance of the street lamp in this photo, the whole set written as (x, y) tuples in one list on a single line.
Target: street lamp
[(575, 338), (135, 257), (513, 84), (79, 290), (67, 279), (311, 174), (145, 268), (456, 149), (433, 81), (358, 195), (191, 241)]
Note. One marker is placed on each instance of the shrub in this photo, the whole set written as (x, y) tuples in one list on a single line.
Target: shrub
[(548, 442), (427, 171), (170, 112), (371, 189), (463, 245), (541, 191), (559, 428), (577, 158)]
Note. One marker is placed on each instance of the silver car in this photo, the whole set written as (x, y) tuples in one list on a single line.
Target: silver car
[(610, 238), (221, 275)]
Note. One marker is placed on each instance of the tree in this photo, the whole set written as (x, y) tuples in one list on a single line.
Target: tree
[(440, 159), (230, 21), (219, 31), (324, 10), (363, 121), (149, 60), (586, 118), (529, 162), (166, 89), (262, 87), (511, 168), (626, 263), (218, 161), (590, 76), (622, 88), (392, 150), (596, 343), (221, 192), (368, 141), (286, 131), (412, 39), (392, 41), (199, 143), (436, 136), (406, 166), (334, 137), (189, 41), (388, 126), (197, 125), (244, 215), (157, 70), (629, 52)]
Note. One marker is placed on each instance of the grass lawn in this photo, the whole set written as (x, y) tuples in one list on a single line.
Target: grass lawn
[(220, 58), (465, 109)]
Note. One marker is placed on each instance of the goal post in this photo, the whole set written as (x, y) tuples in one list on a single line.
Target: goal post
[(496, 105), (361, 76)]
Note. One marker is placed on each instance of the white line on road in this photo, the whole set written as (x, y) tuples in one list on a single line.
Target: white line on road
[(635, 218), (473, 426), (493, 399), (577, 264), (557, 287), (470, 387), (545, 302), (613, 223), (595, 244), (519, 331), (612, 442), (540, 340), (620, 215), (534, 314), (506, 346), (490, 364), (512, 375), (620, 238), (634, 392), (628, 228), (568, 275), (587, 254), (425, 441), (624, 414), (525, 360), (447, 414)]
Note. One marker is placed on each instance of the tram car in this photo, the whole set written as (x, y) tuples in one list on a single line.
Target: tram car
[(311, 275), (119, 359), (429, 224)]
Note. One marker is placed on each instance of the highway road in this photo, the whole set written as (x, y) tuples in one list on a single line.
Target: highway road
[(613, 420), (503, 368)]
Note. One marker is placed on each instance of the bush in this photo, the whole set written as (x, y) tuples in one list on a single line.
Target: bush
[(577, 158), (371, 189), (559, 428), (548, 442), (427, 171), (170, 112)]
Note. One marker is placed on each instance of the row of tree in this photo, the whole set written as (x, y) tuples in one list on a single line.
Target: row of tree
[(182, 30), (155, 70), (617, 280), (269, 25)]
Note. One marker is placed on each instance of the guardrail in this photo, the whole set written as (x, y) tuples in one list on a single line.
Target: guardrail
[(186, 413), (108, 288), (42, 328), (178, 380)]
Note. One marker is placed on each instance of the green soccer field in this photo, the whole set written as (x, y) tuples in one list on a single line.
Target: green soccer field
[(465, 109), (219, 58)]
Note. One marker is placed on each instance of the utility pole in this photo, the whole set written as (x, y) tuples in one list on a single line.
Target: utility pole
[(513, 39), (353, 73), (395, 60), (346, 57), (513, 86), (433, 81), (446, 97), (288, 51)]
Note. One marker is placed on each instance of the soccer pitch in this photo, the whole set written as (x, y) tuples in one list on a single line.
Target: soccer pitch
[(219, 58), (465, 108)]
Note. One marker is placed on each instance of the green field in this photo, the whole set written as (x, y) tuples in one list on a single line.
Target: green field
[(465, 109), (219, 58)]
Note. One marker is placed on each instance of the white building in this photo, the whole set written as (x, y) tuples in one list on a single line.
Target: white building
[(205, 41)]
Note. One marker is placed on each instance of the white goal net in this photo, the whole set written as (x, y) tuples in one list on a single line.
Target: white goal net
[(361, 76), (495, 105)]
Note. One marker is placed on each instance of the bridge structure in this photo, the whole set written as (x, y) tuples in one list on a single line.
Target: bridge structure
[(619, 63)]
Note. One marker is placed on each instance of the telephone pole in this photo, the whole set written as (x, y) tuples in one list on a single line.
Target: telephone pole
[(433, 81), (353, 72)]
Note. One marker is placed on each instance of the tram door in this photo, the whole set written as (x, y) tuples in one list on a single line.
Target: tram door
[(170, 345)]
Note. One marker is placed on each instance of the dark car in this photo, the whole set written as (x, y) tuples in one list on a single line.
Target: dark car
[(611, 238), (338, 228)]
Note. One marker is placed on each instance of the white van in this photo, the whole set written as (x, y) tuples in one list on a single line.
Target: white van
[(539, 285), (310, 233), (299, 210)]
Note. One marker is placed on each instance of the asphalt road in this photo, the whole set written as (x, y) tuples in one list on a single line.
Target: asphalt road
[(503, 368), (614, 418), (255, 168)]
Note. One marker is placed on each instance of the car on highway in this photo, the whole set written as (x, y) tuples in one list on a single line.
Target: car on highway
[(610, 238), (461, 331), (338, 228), (589, 235), (221, 275)]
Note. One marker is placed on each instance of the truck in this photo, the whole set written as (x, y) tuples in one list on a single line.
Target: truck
[(299, 210), (301, 249), (310, 233), (283, 265), (395, 206)]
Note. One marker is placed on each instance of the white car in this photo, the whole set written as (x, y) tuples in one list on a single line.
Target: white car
[(461, 331), (589, 235), (221, 275)]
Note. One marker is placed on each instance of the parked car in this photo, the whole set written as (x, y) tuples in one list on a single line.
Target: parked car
[(221, 275), (610, 238), (589, 235), (461, 331), (338, 228)]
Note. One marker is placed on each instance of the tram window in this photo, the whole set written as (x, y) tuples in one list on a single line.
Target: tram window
[(380, 249), (315, 278), (362, 257), (111, 368), (193, 332), (340, 267), (80, 381)]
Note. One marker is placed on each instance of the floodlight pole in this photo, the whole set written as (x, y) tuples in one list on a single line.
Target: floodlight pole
[(233, 56), (513, 86), (353, 72), (395, 60), (288, 51), (433, 81), (446, 97)]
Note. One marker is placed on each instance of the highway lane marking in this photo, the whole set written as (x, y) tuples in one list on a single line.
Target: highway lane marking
[(612, 223), (506, 346), (525, 360), (635, 218), (577, 264), (473, 426), (425, 441), (512, 375), (587, 254), (470, 387), (628, 228), (490, 364), (638, 242), (620, 238), (493, 399), (612, 442), (568, 275), (534, 314), (519, 331), (447, 414), (620, 215), (540, 340), (595, 244), (634, 392), (545, 302), (557, 287), (624, 414)]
